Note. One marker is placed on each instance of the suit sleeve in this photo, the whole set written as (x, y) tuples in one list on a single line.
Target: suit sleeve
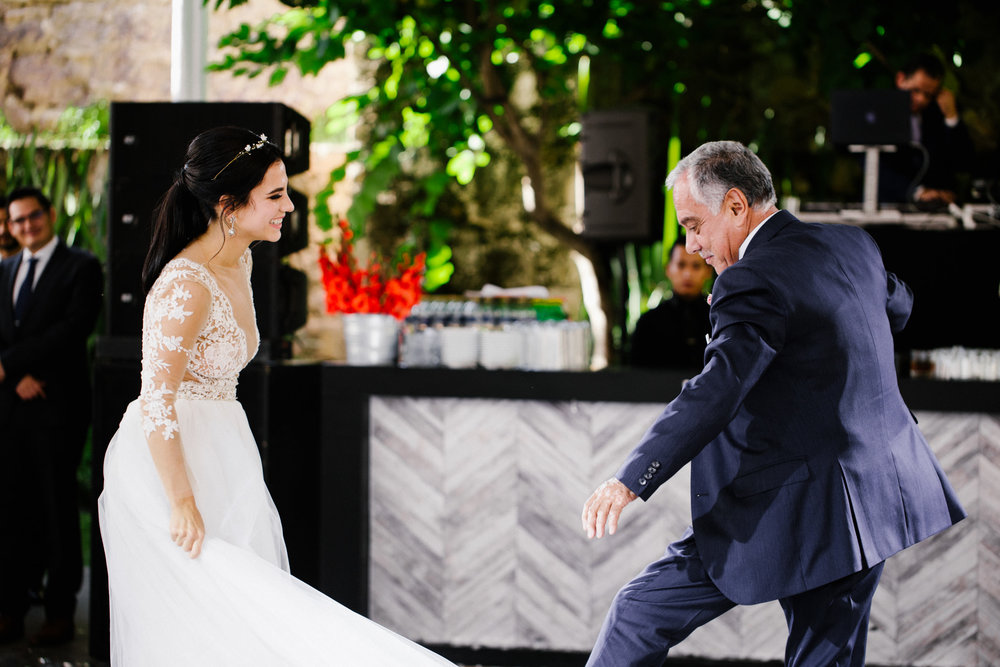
[(748, 331), (899, 302), (83, 303)]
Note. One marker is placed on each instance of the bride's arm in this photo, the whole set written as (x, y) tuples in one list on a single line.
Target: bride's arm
[(172, 323)]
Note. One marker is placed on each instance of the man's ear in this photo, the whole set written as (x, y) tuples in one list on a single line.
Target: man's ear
[(735, 203)]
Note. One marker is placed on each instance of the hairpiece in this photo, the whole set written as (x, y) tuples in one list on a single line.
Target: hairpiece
[(246, 150)]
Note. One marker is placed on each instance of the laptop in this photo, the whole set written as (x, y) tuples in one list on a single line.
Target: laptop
[(870, 117)]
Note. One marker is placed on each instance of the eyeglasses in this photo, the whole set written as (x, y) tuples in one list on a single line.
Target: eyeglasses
[(34, 216)]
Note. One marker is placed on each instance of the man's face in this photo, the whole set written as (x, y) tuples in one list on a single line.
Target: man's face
[(8, 244), (687, 273), (714, 236), (31, 224), (922, 88)]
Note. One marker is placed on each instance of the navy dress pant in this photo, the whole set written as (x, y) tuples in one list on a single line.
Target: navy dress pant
[(827, 626), (40, 449)]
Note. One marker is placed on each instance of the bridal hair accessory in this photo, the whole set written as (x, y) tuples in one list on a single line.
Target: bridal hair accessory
[(232, 225), (246, 150)]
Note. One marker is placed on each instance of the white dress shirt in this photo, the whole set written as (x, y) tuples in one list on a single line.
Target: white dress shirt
[(43, 255), (753, 232)]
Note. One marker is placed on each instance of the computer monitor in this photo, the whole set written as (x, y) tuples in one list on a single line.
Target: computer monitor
[(870, 117)]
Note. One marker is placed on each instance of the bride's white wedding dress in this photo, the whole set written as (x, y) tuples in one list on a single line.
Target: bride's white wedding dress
[(236, 604)]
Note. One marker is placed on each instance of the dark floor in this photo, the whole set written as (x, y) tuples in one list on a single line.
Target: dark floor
[(74, 654)]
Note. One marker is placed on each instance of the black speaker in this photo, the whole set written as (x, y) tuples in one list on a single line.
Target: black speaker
[(148, 144), (623, 161), (116, 384)]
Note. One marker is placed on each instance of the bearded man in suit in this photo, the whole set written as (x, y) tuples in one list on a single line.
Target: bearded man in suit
[(50, 296), (807, 469)]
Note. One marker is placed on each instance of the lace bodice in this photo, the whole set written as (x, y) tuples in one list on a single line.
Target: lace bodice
[(192, 344)]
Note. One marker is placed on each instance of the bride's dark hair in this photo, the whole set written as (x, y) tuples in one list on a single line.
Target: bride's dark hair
[(224, 163)]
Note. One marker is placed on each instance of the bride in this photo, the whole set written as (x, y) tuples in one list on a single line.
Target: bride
[(197, 568)]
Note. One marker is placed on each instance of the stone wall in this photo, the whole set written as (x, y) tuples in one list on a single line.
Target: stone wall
[(57, 53), (60, 53)]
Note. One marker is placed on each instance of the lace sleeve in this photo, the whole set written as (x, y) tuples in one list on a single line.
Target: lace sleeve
[(172, 321)]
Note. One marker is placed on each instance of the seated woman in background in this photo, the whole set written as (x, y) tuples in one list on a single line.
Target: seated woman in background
[(672, 335)]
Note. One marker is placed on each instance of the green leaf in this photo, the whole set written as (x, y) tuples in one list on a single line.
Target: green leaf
[(463, 167), (437, 277), (440, 256), (277, 76)]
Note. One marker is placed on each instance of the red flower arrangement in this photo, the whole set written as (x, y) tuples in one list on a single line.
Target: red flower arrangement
[(350, 289)]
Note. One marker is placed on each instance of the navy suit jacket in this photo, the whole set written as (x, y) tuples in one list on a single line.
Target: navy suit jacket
[(51, 343), (806, 465)]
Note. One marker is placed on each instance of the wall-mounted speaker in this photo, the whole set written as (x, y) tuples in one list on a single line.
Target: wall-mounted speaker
[(623, 161), (148, 144)]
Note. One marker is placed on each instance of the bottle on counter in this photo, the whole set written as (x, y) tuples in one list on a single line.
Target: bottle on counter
[(460, 335), (420, 345)]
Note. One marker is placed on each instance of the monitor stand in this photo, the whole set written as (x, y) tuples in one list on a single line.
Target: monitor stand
[(869, 204)]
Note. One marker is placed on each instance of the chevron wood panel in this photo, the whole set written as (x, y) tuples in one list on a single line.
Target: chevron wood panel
[(409, 456), (553, 473), (936, 588), (645, 528), (481, 517), (476, 538), (988, 521)]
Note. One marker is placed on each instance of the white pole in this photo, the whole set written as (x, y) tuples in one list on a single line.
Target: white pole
[(188, 40)]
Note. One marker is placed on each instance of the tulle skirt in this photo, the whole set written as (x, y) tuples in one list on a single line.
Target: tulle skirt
[(236, 604)]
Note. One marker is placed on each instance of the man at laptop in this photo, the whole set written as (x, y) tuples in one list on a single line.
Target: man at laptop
[(911, 175)]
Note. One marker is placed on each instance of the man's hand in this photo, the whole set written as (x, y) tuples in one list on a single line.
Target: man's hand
[(29, 388), (605, 505), (946, 102), (932, 195)]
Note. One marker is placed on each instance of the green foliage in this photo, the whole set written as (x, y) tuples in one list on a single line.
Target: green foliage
[(439, 266), (451, 82), (449, 67), (441, 81), (68, 165)]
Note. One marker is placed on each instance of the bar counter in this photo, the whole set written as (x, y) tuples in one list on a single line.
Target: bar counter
[(615, 384), (445, 505)]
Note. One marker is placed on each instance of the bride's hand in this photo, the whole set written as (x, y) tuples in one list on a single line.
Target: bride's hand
[(187, 529)]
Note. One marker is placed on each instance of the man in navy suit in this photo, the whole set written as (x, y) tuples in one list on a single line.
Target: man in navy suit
[(50, 296), (807, 469)]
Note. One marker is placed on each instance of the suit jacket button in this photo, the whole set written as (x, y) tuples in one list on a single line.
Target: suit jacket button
[(655, 464), (642, 481), (648, 476)]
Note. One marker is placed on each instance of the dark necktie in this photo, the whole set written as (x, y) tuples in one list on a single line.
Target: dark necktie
[(24, 294)]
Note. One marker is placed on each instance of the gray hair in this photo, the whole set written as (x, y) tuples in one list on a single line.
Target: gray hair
[(716, 167)]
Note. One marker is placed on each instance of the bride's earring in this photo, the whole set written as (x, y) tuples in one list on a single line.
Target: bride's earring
[(232, 225)]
